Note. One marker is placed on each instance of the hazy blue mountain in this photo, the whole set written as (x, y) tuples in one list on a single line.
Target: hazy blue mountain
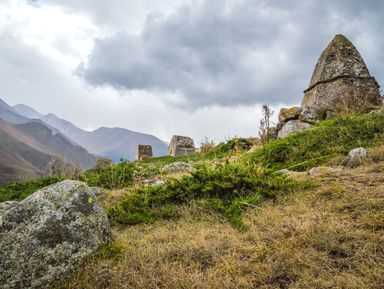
[(115, 143)]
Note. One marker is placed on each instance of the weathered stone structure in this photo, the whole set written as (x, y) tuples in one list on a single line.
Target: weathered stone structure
[(340, 82), (341, 79), (181, 146), (143, 152)]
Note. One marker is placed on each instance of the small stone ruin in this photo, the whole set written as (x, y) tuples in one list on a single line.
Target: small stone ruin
[(181, 146), (340, 82), (143, 152)]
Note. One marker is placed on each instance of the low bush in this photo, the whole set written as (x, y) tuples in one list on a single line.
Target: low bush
[(20, 190), (228, 189), (115, 176)]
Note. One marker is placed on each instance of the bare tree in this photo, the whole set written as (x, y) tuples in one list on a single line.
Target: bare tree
[(265, 122), (60, 167)]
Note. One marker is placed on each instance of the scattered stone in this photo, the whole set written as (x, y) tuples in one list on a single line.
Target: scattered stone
[(311, 115), (176, 167), (293, 126), (49, 234), (181, 146), (287, 114), (292, 174), (355, 157), (154, 182), (318, 171), (341, 80), (143, 152)]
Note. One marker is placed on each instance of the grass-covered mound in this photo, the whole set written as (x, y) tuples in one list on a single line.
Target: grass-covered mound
[(227, 188), (326, 141)]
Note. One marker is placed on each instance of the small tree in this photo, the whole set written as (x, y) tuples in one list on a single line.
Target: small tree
[(102, 163), (61, 168), (207, 146), (265, 122)]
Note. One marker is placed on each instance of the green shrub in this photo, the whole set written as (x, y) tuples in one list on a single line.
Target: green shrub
[(228, 189), (325, 141), (232, 145), (20, 190), (114, 176)]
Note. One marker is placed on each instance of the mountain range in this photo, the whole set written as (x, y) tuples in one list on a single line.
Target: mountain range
[(29, 140)]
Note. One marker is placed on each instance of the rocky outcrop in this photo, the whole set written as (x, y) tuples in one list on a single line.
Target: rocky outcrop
[(181, 146), (341, 80), (287, 114), (293, 126), (46, 236)]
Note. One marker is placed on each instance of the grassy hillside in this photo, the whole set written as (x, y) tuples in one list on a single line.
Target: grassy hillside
[(235, 221)]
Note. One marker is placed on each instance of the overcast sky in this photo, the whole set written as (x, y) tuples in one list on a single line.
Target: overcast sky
[(198, 68)]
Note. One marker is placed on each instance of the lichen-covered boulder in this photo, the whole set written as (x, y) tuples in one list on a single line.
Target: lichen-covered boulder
[(287, 114), (176, 167), (49, 234), (293, 126)]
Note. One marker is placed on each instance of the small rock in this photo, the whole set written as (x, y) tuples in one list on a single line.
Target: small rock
[(311, 115), (293, 126), (154, 182), (355, 157), (292, 174), (287, 114), (324, 170), (176, 167)]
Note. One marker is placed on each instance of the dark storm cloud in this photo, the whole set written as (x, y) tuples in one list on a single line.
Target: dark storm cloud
[(234, 52)]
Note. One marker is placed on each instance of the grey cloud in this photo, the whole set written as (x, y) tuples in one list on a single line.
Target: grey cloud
[(233, 52)]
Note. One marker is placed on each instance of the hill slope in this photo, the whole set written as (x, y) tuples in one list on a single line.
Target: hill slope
[(112, 142), (27, 148), (19, 160)]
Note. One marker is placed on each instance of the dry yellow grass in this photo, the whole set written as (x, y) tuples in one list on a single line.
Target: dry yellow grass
[(330, 237)]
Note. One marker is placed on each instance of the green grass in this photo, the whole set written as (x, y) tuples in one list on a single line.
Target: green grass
[(228, 189), (328, 140), (20, 190)]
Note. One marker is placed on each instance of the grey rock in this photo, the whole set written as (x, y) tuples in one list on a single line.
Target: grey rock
[(311, 115), (154, 182), (49, 234), (176, 167), (318, 171), (355, 157), (293, 126), (287, 114)]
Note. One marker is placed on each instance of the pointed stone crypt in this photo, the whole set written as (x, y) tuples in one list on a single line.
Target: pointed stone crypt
[(340, 82), (341, 79)]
